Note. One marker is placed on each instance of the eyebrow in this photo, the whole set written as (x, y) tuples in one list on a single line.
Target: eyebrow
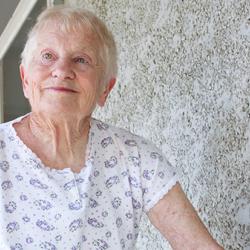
[(86, 48), (78, 49)]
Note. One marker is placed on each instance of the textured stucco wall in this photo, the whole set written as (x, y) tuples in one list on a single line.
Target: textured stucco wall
[(184, 83)]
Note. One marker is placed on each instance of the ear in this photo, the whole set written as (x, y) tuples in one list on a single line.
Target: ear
[(24, 80), (102, 99)]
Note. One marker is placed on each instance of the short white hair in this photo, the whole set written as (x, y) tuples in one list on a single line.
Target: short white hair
[(75, 19)]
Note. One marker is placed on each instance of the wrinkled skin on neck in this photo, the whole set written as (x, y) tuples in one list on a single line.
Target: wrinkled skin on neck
[(64, 140)]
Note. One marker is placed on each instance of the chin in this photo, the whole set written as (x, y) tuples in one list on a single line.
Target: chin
[(62, 106), (58, 109)]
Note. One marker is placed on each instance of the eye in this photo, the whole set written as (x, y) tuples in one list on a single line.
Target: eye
[(47, 56), (81, 60)]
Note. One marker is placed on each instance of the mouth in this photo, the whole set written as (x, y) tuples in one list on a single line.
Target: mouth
[(62, 89)]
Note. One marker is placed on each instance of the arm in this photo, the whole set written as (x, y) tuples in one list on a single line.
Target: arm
[(176, 219)]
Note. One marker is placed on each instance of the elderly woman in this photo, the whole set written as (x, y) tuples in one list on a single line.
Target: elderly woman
[(69, 181)]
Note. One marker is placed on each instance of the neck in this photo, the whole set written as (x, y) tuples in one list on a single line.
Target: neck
[(61, 130), (59, 141)]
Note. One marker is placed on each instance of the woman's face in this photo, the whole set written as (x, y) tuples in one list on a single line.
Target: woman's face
[(64, 74)]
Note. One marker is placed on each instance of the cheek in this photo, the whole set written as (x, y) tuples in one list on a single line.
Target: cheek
[(90, 95), (32, 91), (37, 76), (25, 91), (90, 85)]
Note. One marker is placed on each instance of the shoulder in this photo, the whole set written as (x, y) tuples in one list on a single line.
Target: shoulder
[(117, 133), (5, 137), (7, 130), (127, 140), (4, 129)]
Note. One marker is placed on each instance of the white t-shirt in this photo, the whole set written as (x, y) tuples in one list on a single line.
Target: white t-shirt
[(99, 208)]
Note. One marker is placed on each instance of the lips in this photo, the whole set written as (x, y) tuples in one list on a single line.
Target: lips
[(62, 89)]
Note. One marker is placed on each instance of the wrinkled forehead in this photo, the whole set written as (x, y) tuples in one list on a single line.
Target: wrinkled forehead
[(70, 37), (80, 32), (67, 25)]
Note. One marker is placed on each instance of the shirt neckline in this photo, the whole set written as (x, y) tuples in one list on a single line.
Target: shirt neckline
[(33, 155)]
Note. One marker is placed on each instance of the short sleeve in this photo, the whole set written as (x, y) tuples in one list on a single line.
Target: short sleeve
[(158, 176)]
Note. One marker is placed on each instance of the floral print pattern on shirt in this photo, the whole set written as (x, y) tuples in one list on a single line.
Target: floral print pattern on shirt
[(99, 208)]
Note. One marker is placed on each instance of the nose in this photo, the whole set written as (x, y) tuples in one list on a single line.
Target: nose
[(63, 70)]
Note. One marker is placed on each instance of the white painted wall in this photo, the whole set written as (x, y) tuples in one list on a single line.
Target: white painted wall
[(184, 83)]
